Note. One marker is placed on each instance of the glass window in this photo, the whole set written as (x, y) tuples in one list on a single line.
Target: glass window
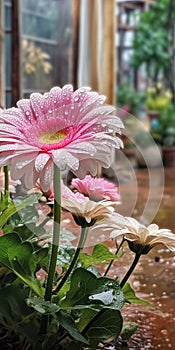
[(8, 52), (46, 44), (129, 35)]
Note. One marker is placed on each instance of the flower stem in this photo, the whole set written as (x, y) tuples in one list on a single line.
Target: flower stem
[(111, 262), (102, 312), (131, 269), (55, 243), (6, 175), (72, 264)]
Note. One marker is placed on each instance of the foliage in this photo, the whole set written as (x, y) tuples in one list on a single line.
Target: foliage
[(157, 99), (128, 98), (84, 312), (153, 39), (163, 129)]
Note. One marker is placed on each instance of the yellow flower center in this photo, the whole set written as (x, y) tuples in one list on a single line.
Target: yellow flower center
[(52, 137)]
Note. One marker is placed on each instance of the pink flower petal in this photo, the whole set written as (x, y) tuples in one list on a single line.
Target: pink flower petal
[(72, 128)]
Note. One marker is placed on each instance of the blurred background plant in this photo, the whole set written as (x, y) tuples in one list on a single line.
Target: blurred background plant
[(128, 98), (157, 98), (163, 129), (34, 58), (153, 42)]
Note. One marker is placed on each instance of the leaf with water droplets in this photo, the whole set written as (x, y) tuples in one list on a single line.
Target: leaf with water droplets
[(87, 289)]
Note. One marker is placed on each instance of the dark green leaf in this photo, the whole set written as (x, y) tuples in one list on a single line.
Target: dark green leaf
[(68, 323), (108, 325), (12, 304), (42, 306), (128, 330), (85, 316), (87, 289), (20, 259)]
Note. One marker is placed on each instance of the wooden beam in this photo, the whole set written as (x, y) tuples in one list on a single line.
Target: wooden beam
[(16, 52), (75, 23), (109, 50), (2, 78)]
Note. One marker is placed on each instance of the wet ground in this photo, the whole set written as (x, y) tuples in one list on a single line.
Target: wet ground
[(154, 277), (148, 195)]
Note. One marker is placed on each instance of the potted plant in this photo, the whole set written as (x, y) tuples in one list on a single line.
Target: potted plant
[(153, 41), (128, 98), (163, 132), (157, 99)]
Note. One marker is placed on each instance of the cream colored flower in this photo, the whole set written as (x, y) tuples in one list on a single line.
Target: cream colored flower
[(85, 211), (141, 238)]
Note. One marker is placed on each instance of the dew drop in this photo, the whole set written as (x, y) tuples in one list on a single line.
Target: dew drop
[(27, 113), (76, 98), (82, 89)]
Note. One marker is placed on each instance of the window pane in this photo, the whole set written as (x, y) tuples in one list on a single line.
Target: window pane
[(8, 99), (8, 24), (8, 66), (46, 44)]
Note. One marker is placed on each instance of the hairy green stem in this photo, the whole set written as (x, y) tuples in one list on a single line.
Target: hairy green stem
[(55, 244), (111, 262), (74, 260), (131, 269)]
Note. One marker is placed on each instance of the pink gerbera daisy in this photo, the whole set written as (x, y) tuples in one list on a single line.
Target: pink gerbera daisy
[(74, 129), (97, 188)]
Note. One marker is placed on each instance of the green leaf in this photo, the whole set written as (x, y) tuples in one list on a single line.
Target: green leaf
[(20, 259), (130, 296), (42, 306), (100, 254), (108, 325), (16, 205), (12, 304), (68, 323), (87, 289), (84, 317), (128, 330), (65, 255)]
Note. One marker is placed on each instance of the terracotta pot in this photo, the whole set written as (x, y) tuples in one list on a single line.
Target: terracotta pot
[(153, 115), (169, 156)]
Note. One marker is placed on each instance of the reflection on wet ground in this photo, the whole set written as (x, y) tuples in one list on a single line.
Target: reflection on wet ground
[(154, 276)]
